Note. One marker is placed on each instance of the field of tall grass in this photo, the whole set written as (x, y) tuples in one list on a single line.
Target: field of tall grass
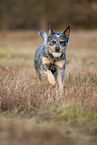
[(32, 111)]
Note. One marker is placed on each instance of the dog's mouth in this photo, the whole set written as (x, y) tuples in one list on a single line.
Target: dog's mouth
[(56, 54)]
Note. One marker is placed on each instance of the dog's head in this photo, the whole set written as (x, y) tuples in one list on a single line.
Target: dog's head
[(58, 42)]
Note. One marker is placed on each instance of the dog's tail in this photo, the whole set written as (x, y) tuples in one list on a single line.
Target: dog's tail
[(44, 36)]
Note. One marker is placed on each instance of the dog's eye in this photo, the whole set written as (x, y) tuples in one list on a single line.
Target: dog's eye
[(53, 42), (62, 43)]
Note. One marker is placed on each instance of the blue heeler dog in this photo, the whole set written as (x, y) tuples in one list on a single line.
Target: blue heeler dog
[(50, 57)]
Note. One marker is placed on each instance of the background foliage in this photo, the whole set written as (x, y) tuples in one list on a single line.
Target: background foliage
[(36, 14)]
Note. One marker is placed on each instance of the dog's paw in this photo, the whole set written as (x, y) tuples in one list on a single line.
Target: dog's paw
[(51, 78)]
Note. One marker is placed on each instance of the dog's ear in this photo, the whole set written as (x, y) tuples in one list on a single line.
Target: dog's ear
[(67, 31), (50, 30)]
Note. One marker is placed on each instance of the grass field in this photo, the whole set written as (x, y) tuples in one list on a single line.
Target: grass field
[(33, 112)]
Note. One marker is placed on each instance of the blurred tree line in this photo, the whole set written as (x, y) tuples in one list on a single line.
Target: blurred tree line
[(38, 14)]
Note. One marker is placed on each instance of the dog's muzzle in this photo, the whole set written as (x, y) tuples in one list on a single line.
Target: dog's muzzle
[(57, 52)]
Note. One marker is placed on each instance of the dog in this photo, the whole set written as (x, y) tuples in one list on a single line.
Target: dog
[(50, 57)]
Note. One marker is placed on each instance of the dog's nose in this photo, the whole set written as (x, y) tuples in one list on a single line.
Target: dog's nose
[(57, 49)]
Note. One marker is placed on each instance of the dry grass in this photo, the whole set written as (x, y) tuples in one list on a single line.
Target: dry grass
[(20, 89), (65, 117)]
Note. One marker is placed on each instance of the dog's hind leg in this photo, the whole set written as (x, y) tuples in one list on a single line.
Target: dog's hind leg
[(39, 75)]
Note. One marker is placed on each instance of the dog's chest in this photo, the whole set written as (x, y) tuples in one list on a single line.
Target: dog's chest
[(53, 64)]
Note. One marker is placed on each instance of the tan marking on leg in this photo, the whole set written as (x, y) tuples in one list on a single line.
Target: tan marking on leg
[(50, 77), (45, 60), (60, 63)]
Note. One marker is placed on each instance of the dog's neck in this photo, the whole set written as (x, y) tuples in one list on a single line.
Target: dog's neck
[(53, 59)]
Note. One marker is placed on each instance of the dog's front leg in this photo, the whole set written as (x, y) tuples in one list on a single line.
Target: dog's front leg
[(50, 77), (47, 72)]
